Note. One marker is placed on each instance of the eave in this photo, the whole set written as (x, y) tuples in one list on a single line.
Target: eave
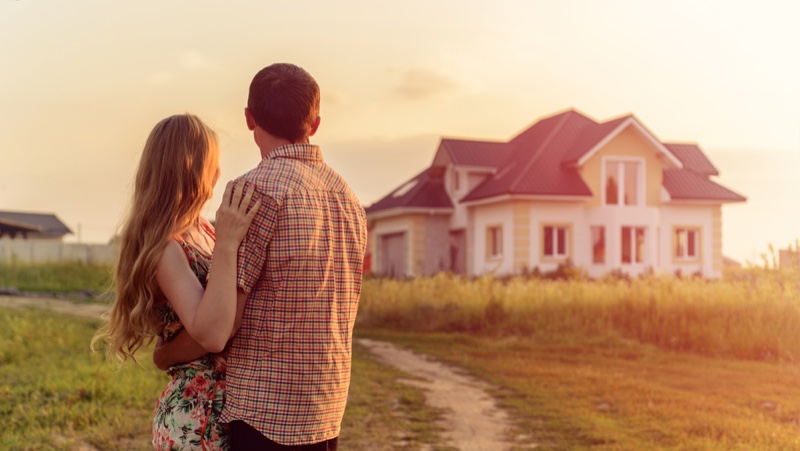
[(402, 211), (525, 197)]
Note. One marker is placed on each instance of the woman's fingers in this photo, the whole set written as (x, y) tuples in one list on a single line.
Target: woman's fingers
[(236, 201), (226, 197), (252, 213), (248, 196)]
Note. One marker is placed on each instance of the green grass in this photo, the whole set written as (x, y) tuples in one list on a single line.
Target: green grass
[(56, 277), (56, 394), (622, 395), (653, 363), (382, 413)]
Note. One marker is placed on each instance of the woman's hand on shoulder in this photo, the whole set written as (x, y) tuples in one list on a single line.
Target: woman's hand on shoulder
[(234, 215)]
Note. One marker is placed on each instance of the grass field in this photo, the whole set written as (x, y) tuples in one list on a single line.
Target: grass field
[(57, 394), (624, 395), (751, 314), (653, 363), (61, 278)]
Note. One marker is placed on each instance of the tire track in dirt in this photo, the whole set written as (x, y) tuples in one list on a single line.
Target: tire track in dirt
[(471, 419)]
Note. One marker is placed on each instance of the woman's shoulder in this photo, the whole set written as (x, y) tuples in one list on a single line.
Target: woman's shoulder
[(174, 253)]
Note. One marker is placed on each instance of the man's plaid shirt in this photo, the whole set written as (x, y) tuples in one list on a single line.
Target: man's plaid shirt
[(300, 265)]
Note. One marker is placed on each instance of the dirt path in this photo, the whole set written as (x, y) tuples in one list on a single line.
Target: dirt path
[(472, 420), (56, 305)]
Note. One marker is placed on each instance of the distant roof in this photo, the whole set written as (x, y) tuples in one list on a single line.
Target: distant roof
[(13, 227), (43, 223)]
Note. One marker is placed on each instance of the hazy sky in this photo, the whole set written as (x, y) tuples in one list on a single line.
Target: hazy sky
[(83, 82)]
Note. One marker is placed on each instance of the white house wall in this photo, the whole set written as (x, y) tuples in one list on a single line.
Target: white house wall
[(574, 214), (484, 217), (458, 220), (469, 178), (701, 216), (614, 219), (659, 224)]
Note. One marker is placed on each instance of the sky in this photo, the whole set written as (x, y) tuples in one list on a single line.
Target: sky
[(83, 82)]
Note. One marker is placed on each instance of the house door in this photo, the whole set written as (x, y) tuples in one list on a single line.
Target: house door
[(393, 255), (458, 252)]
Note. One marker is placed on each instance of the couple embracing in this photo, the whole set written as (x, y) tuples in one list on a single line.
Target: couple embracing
[(254, 315)]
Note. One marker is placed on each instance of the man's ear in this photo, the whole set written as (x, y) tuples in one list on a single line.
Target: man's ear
[(248, 116), (315, 126)]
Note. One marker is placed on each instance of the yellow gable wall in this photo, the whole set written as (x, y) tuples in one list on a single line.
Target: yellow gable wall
[(628, 143)]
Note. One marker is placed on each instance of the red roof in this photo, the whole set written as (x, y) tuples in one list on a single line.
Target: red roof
[(684, 184), (425, 190), (543, 159), (535, 166), (693, 158), (590, 137), (476, 153)]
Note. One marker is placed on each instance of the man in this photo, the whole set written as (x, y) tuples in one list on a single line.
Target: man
[(299, 279)]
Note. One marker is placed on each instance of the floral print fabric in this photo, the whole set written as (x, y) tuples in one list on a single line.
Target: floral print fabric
[(188, 411)]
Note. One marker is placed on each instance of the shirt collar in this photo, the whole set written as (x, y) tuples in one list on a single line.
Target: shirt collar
[(303, 152)]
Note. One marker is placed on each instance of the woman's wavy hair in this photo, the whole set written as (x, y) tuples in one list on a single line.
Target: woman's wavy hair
[(176, 176)]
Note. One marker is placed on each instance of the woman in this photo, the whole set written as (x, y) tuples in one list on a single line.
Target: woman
[(163, 280)]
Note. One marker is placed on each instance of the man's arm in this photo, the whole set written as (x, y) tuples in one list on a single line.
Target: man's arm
[(181, 349)]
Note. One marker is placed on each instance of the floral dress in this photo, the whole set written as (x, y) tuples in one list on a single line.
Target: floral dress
[(188, 411)]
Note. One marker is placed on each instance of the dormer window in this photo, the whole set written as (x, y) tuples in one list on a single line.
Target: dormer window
[(405, 188), (623, 181), (456, 181)]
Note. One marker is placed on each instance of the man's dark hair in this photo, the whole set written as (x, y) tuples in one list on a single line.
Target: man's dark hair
[(284, 101)]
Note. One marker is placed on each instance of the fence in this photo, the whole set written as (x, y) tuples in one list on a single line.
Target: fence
[(44, 251)]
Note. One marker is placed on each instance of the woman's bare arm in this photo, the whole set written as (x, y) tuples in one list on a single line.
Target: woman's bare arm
[(209, 315)]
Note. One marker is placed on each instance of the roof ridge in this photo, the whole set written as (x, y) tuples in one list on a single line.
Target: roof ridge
[(682, 143), (565, 116)]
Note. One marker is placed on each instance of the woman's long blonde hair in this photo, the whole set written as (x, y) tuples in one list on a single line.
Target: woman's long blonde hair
[(175, 179)]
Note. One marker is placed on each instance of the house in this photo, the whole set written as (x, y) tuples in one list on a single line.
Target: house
[(39, 226), (604, 196)]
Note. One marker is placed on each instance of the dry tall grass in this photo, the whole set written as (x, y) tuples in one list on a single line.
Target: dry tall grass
[(751, 314)]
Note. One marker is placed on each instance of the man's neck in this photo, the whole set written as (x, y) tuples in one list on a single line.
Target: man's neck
[(268, 143)]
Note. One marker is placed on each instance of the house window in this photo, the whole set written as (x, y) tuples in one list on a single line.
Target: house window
[(633, 245), (623, 182), (456, 181), (598, 244), (555, 241), (687, 242), (494, 242)]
